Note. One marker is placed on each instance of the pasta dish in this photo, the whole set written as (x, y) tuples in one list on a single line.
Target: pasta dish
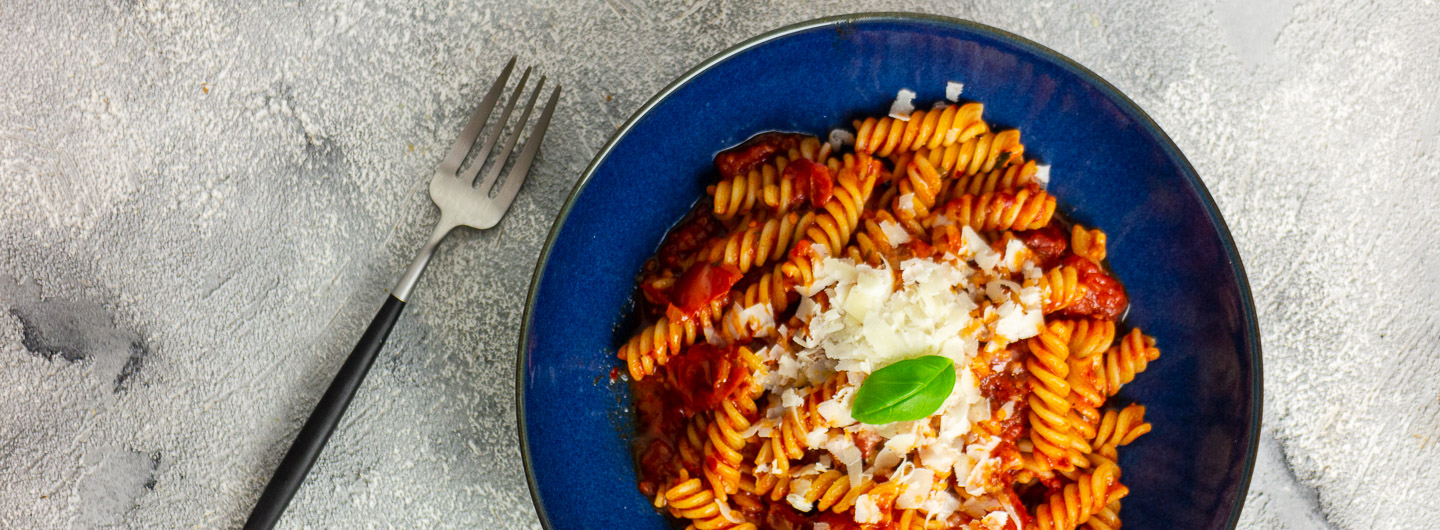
[(886, 328)]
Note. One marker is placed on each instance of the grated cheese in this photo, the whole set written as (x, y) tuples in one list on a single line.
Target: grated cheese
[(796, 498), (995, 520), (840, 138), (866, 512), (894, 232), (953, 90), (1042, 175), (941, 504), (917, 489), (904, 105), (860, 317), (724, 508)]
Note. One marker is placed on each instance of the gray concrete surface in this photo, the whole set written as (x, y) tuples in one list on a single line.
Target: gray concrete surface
[(201, 204)]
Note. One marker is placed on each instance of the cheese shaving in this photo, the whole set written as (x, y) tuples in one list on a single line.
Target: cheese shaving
[(953, 90), (904, 105), (866, 512)]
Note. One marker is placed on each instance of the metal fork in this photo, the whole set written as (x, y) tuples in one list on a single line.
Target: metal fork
[(462, 201)]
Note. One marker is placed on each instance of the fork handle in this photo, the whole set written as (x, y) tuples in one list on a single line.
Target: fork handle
[(311, 440)]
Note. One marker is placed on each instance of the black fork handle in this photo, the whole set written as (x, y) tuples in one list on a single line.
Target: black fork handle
[(311, 440)]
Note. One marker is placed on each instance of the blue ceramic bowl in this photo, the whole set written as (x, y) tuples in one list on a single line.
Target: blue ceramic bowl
[(1112, 168)]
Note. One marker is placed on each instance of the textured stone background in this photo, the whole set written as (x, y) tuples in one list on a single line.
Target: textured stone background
[(201, 205)]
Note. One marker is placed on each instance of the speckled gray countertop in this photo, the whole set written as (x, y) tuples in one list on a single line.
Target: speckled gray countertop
[(202, 204)]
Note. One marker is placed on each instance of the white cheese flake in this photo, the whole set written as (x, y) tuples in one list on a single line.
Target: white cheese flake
[(796, 498), (906, 203), (979, 249), (840, 138), (725, 512), (894, 232), (1016, 254), (902, 443), (904, 105), (917, 489), (941, 504), (953, 90), (866, 512), (836, 410), (886, 460), (791, 399), (939, 456)]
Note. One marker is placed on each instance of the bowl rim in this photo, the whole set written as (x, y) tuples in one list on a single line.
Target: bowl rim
[(1252, 325)]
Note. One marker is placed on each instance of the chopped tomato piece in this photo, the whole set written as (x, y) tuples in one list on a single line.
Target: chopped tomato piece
[(812, 181), (1047, 243), (701, 284), (1104, 296), (705, 376), (802, 249)]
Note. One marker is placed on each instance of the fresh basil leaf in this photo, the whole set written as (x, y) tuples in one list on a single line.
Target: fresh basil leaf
[(907, 390)]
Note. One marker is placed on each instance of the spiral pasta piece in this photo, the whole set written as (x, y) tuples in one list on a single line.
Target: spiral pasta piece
[(830, 490), (689, 499), (1062, 288), (1086, 395), (1076, 502), (724, 442), (932, 129), (767, 294), (1092, 336), (755, 242), (723, 446), (739, 194), (1050, 428), (1108, 518), (1008, 179), (827, 489), (981, 154), (1026, 209), (1128, 358), (773, 484), (874, 242), (847, 501), (1119, 428), (917, 191), (653, 346), (692, 443)]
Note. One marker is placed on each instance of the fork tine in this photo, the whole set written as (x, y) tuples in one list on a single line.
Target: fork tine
[(452, 161), (510, 142), (522, 165), (478, 161)]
